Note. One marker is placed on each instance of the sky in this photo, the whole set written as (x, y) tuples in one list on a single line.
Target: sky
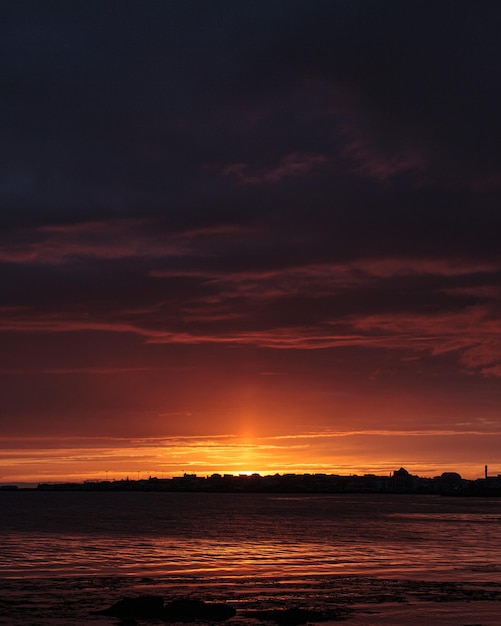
[(254, 236)]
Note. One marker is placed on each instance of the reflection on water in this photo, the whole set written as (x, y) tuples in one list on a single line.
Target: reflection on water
[(242, 535)]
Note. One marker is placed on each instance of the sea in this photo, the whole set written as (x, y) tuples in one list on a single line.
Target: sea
[(363, 559)]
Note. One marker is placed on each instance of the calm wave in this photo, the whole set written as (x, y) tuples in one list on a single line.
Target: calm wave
[(67, 534), (111, 542)]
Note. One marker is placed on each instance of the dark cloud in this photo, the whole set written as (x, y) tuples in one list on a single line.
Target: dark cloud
[(114, 108)]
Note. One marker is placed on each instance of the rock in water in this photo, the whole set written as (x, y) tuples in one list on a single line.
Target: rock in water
[(182, 610), (185, 610), (140, 607)]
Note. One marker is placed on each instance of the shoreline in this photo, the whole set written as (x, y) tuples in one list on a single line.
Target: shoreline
[(359, 600)]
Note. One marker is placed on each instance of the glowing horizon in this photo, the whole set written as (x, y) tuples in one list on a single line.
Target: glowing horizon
[(100, 460)]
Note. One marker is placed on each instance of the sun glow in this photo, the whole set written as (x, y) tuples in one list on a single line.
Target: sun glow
[(328, 452)]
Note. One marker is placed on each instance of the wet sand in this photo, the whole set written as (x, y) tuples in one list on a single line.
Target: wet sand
[(428, 614), (358, 601)]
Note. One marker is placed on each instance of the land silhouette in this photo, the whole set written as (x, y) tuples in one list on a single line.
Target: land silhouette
[(399, 481)]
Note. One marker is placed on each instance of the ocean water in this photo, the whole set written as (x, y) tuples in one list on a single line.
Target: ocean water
[(376, 557)]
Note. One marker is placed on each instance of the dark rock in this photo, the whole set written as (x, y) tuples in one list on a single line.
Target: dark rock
[(185, 610), (289, 617), (182, 610), (140, 607), (128, 622)]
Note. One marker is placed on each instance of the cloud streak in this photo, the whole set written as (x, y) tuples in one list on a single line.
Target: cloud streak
[(471, 333), (295, 165)]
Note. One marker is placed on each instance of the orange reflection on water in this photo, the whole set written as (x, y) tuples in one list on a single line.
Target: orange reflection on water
[(242, 535)]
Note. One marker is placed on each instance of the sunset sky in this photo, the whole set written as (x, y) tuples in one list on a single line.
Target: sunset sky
[(249, 236)]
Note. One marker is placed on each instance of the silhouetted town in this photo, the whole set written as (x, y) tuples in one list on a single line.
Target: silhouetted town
[(399, 481)]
